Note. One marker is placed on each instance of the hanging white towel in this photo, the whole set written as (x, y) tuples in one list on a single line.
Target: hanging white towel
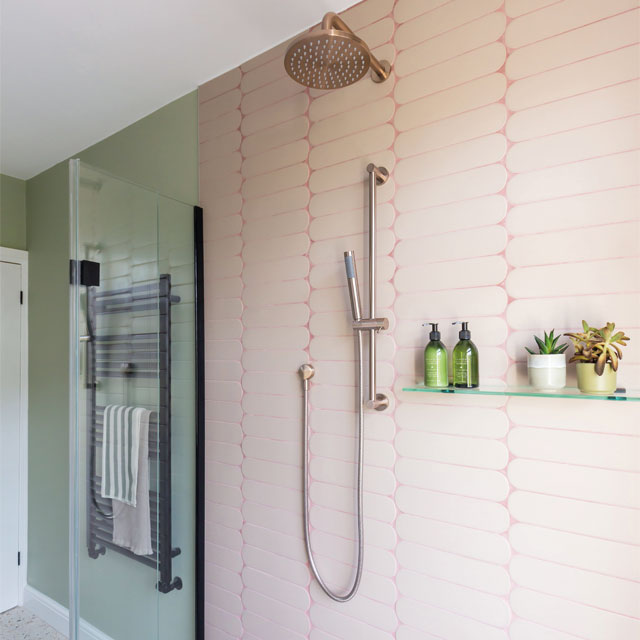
[(125, 475), (121, 443)]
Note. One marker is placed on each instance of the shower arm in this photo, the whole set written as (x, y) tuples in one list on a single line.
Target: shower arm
[(334, 21)]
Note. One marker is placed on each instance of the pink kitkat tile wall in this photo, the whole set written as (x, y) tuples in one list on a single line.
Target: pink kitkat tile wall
[(511, 133)]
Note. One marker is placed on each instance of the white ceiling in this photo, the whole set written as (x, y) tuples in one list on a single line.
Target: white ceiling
[(75, 71)]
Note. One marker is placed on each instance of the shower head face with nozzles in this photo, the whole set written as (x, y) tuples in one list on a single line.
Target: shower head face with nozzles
[(327, 59)]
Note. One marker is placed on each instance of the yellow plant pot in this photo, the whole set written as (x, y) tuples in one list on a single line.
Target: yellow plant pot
[(590, 382)]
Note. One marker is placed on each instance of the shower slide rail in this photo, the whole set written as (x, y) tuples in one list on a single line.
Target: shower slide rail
[(129, 356), (378, 401)]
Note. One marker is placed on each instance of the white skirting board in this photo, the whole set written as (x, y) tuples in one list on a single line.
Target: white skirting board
[(57, 616)]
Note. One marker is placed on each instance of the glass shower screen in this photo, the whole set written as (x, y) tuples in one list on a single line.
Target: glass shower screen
[(132, 403)]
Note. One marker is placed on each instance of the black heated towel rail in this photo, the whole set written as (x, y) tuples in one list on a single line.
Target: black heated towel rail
[(133, 356)]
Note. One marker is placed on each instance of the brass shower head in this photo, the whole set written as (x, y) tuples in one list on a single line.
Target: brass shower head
[(332, 57)]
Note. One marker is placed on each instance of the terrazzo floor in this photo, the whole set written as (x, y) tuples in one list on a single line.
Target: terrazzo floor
[(20, 624)]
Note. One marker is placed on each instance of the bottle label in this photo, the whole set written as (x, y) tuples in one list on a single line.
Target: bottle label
[(461, 370), (465, 369), (434, 368), (436, 373)]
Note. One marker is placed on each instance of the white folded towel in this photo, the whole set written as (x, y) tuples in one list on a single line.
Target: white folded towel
[(125, 475)]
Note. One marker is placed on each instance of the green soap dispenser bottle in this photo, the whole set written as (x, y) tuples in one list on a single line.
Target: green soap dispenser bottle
[(435, 360), (465, 360)]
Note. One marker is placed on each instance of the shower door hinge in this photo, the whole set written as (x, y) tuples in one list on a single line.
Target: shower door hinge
[(85, 272), (22, 297), (18, 558)]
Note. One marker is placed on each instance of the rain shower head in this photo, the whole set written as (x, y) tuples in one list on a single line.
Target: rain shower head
[(332, 57)]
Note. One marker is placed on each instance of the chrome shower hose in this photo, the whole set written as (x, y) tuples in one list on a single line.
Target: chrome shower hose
[(306, 372)]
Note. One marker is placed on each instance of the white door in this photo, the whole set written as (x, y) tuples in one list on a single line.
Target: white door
[(10, 277)]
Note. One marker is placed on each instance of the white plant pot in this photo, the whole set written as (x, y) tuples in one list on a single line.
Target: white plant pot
[(547, 372)]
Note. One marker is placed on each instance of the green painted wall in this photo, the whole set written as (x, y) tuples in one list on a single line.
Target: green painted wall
[(48, 233), (160, 152), (13, 214)]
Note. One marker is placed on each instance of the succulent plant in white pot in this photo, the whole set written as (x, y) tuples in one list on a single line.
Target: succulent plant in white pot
[(597, 354), (548, 368)]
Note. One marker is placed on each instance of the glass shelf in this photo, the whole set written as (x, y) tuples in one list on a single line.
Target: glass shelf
[(529, 392)]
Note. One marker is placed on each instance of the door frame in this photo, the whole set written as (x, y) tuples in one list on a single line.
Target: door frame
[(16, 256)]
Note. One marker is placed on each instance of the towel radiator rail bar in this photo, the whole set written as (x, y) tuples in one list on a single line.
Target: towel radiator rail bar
[(127, 356)]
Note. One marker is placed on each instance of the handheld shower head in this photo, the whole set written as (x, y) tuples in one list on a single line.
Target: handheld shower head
[(332, 57), (352, 284)]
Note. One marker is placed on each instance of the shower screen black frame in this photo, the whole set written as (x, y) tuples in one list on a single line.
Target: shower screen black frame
[(198, 243)]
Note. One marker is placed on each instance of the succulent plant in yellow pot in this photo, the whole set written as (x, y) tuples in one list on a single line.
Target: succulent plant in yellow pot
[(597, 354)]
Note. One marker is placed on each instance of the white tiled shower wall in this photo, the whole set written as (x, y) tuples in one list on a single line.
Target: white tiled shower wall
[(511, 134)]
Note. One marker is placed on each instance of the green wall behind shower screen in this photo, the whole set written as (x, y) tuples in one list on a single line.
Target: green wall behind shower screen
[(160, 152), (13, 214)]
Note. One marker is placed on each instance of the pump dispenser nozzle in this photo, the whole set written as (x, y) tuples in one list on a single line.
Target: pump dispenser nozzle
[(464, 333), (434, 334)]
